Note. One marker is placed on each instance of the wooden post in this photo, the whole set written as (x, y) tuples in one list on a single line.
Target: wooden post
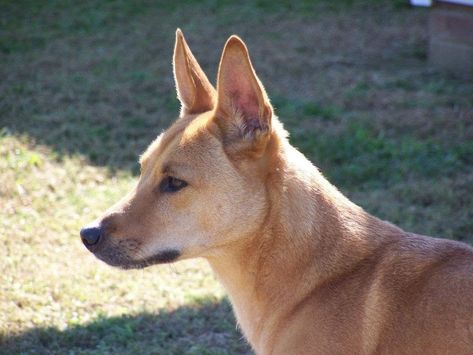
[(451, 37)]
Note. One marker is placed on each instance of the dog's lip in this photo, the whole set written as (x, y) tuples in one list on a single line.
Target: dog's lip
[(162, 257)]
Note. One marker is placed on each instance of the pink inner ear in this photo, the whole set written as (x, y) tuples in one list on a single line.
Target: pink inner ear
[(246, 103), (240, 89)]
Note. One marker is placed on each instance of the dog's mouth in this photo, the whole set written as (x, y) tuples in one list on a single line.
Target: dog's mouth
[(163, 257), (118, 256)]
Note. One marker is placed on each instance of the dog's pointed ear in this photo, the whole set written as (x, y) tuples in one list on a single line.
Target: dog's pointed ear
[(194, 90), (243, 109)]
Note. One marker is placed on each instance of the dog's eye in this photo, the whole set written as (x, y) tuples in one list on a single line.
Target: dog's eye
[(171, 184)]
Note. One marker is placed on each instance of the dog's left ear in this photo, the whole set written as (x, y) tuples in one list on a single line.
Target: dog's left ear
[(243, 111), (194, 90)]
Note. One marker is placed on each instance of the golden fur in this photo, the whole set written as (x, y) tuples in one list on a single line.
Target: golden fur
[(307, 270)]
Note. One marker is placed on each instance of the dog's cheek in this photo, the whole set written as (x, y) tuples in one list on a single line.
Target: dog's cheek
[(180, 202), (204, 222)]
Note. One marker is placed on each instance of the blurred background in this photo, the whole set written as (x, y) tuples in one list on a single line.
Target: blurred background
[(85, 86)]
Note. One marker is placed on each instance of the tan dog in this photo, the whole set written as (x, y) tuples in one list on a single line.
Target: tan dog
[(307, 271)]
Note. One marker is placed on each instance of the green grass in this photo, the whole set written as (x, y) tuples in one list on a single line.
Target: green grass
[(87, 85), (203, 328), (357, 157)]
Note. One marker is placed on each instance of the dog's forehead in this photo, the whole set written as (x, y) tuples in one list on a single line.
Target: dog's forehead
[(185, 138)]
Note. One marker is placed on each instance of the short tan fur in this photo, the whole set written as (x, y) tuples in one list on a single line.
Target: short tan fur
[(307, 270)]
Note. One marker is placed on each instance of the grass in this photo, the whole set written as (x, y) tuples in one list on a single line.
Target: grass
[(87, 85)]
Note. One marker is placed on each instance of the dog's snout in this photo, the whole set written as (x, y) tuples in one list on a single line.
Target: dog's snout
[(91, 235)]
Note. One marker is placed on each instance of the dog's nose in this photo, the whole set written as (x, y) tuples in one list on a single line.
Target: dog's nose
[(90, 236)]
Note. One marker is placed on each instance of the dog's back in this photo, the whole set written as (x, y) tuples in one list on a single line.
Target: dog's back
[(413, 296)]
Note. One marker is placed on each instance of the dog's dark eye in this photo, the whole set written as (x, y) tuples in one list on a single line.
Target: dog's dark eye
[(171, 184)]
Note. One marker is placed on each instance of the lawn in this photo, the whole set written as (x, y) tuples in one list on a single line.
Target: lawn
[(86, 85)]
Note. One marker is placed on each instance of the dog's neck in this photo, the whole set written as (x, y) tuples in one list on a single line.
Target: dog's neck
[(312, 230)]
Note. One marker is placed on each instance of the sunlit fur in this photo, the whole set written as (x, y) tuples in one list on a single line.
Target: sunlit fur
[(307, 271)]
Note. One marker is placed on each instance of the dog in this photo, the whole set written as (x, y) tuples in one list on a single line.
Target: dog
[(307, 270)]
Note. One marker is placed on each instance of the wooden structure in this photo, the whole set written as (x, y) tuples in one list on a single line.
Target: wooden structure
[(451, 35)]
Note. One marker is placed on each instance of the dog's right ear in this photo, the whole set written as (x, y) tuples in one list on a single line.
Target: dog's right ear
[(194, 90)]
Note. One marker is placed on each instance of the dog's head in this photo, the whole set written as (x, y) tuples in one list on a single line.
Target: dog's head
[(202, 183)]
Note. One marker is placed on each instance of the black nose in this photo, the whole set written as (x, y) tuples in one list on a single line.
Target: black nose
[(90, 236)]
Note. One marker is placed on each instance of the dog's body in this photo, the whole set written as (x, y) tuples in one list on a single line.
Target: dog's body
[(307, 271)]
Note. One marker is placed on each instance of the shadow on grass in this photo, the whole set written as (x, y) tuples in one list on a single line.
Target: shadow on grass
[(94, 87), (94, 78), (204, 328)]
